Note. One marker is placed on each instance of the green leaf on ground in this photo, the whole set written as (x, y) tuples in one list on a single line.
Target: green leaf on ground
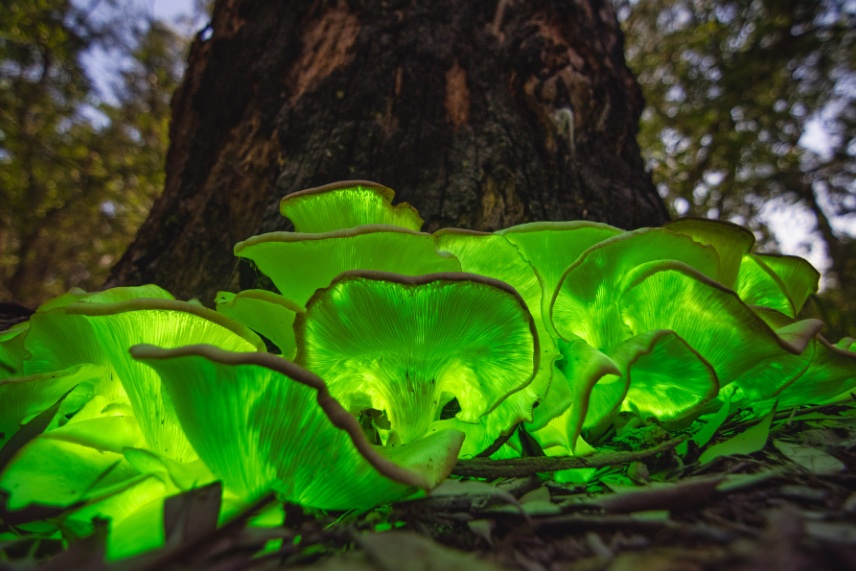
[(749, 441), (708, 429)]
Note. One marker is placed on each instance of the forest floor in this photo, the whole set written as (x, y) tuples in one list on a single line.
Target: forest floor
[(778, 494)]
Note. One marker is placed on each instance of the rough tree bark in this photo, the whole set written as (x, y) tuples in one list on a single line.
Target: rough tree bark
[(480, 114)]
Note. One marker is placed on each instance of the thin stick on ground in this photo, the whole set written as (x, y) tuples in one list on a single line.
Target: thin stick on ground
[(520, 467)]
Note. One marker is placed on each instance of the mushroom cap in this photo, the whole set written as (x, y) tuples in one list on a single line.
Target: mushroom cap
[(102, 333), (778, 282), (112, 295), (666, 378), (347, 204), (550, 247), (596, 385), (494, 256), (585, 304), (740, 346), (409, 345), (261, 423), (654, 374), (299, 264), (264, 312), (829, 377), (730, 241), (24, 397)]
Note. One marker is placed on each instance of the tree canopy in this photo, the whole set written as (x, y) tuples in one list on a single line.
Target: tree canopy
[(751, 107), (79, 169)]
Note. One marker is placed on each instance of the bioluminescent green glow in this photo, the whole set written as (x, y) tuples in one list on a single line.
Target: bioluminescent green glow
[(340, 206), (260, 423), (319, 258), (408, 346), (398, 352), (263, 311)]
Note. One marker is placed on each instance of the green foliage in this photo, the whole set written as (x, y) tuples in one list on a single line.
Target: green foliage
[(732, 89), (78, 173)]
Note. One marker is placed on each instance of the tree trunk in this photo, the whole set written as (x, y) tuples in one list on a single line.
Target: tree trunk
[(480, 114)]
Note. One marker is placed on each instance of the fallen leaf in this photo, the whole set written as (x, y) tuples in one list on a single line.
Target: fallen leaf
[(749, 441), (473, 491), (538, 502), (832, 532), (483, 528), (708, 429), (409, 551), (192, 514), (812, 459), (733, 482)]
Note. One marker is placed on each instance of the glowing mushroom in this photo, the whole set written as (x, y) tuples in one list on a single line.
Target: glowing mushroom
[(740, 346), (99, 331), (586, 312), (782, 283), (347, 204), (262, 423), (264, 312), (731, 242), (407, 346), (493, 256), (299, 264)]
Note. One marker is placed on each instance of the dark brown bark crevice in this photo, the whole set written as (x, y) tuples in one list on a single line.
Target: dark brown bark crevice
[(478, 119)]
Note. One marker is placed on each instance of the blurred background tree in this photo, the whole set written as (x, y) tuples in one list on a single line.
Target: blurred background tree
[(750, 114), (79, 168), (750, 117)]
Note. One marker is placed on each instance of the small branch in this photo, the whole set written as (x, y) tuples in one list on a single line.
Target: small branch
[(519, 467)]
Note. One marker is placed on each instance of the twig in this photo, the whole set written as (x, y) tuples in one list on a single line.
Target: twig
[(520, 467)]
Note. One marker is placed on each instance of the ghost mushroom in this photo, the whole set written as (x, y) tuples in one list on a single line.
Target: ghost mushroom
[(408, 346), (347, 204)]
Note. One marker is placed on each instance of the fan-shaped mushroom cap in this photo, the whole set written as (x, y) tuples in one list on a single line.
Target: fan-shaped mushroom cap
[(261, 423), (585, 304), (112, 295), (407, 346), (824, 373), (712, 319), (102, 333), (666, 378), (653, 374), (492, 255), (264, 312), (782, 283), (830, 376), (347, 204), (299, 264), (550, 247), (23, 397), (730, 241)]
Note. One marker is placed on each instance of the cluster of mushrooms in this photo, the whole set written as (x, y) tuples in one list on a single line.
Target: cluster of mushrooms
[(394, 353)]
